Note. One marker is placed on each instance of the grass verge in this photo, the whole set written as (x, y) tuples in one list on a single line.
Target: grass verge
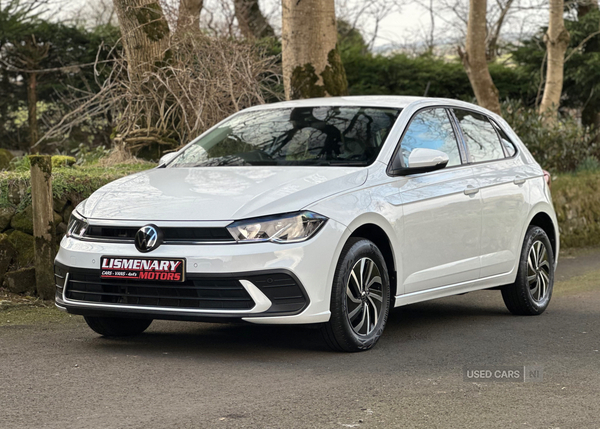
[(587, 282), (23, 310)]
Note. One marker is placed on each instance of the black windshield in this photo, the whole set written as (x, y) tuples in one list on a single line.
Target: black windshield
[(294, 136)]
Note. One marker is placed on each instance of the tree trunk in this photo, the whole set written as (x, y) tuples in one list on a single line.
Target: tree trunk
[(32, 110), (557, 41), (312, 66), (251, 21), (188, 18), (145, 35), (474, 59)]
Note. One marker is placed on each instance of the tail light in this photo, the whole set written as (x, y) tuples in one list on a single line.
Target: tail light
[(548, 179)]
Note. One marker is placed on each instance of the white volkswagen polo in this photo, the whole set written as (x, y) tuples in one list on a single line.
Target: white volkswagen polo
[(325, 211)]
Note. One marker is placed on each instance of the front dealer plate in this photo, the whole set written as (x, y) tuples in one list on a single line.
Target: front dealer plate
[(147, 269)]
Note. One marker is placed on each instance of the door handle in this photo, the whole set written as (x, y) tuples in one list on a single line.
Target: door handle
[(471, 190), (519, 180)]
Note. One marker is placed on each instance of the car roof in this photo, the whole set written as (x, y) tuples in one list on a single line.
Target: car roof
[(386, 101)]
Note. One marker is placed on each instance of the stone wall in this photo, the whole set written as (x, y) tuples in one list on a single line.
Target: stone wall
[(16, 236)]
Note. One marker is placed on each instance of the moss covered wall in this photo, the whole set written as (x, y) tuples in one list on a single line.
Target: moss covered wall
[(70, 186)]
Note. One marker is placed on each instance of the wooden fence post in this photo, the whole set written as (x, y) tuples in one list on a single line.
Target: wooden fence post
[(43, 224)]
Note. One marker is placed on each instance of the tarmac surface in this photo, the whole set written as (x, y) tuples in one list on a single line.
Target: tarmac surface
[(191, 375)]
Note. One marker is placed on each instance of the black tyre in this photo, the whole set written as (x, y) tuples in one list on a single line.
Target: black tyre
[(531, 292), (117, 327), (360, 298)]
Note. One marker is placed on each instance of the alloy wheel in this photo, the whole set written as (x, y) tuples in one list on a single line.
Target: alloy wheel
[(364, 296), (538, 271)]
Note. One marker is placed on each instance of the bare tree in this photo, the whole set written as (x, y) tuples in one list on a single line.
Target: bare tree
[(495, 27), (451, 18), (95, 13), (205, 80), (312, 66), (218, 18), (188, 18), (474, 58), (366, 15), (251, 21), (557, 42)]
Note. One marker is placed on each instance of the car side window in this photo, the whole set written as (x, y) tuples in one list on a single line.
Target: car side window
[(509, 146), (431, 129), (480, 136)]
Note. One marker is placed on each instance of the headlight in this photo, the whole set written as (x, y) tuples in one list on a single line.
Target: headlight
[(287, 228), (77, 225)]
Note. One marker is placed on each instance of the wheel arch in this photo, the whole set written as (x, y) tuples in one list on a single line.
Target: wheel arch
[(544, 221), (542, 215), (379, 231)]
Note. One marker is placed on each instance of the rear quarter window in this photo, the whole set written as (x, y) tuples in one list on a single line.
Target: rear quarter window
[(480, 136), (508, 145)]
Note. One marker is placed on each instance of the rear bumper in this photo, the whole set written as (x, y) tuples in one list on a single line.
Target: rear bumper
[(270, 283)]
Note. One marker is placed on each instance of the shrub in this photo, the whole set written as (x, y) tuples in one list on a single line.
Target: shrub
[(590, 163), (62, 161), (74, 183), (560, 147), (576, 199), (401, 74)]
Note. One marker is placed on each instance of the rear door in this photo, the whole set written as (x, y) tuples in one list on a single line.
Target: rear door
[(503, 187), (441, 209)]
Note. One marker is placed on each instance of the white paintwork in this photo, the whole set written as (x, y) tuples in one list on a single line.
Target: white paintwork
[(451, 231), (420, 158), (210, 193)]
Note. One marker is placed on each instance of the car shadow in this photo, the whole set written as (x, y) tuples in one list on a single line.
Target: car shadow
[(226, 339), (249, 341)]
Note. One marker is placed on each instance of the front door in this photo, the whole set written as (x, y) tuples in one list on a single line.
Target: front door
[(441, 210)]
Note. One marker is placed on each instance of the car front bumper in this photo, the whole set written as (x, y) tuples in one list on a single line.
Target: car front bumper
[(267, 283)]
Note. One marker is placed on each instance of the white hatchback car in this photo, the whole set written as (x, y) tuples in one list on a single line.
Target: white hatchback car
[(323, 211)]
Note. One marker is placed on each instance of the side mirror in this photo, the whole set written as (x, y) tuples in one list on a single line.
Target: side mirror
[(165, 159), (420, 160)]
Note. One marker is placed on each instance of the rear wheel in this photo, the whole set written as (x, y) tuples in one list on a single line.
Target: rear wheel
[(117, 327), (360, 298), (531, 292)]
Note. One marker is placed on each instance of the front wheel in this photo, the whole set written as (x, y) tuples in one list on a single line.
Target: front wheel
[(116, 326), (360, 298), (531, 292)]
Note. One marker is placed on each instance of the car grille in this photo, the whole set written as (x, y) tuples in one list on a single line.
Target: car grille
[(171, 235), (205, 294), (196, 292)]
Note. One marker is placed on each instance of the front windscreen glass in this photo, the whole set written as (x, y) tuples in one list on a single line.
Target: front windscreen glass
[(294, 136)]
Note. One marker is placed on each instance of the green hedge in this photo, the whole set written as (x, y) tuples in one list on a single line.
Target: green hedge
[(77, 182), (577, 203)]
